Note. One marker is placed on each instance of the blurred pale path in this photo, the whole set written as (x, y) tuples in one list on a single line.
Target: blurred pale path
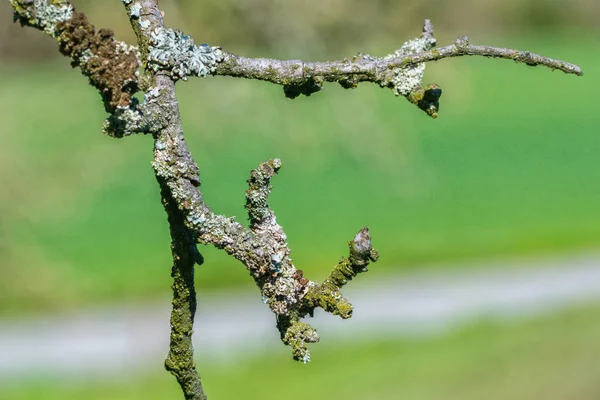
[(233, 326)]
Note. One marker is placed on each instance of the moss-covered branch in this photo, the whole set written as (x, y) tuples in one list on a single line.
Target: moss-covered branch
[(327, 295), (180, 360)]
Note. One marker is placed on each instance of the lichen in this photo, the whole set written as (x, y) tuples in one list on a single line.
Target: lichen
[(135, 10), (125, 121), (43, 15), (177, 53), (406, 77), (297, 335)]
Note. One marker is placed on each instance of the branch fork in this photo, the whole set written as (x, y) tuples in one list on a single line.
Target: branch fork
[(166, 55)]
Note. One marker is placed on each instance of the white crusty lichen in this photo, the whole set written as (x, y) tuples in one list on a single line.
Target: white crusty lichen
[(151, 95), (47, 16), (194, 218), (276, 260), (173, 51), (125, 121), (85, 57), (407, 78), (124, 48), (135, 10), (144, 23)]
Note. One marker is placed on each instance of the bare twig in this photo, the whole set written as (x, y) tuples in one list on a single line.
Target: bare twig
[(295, 72), (300, 77)]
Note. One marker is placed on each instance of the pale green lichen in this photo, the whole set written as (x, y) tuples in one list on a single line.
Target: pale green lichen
[(43, 15), (407, 77), (125, 121), (173, 51)]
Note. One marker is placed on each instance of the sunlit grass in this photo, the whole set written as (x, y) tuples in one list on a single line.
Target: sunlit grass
[(552, 357)]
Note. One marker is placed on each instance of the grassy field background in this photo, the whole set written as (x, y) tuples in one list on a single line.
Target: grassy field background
[(509, 167), (550, 357)]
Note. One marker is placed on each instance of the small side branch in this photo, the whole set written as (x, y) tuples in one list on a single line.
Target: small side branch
[(299, 77), (401, 71), (462, 47), (327, 295), (295, 72), (259, 190)]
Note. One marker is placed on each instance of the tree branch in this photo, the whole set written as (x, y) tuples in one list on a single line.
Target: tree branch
[(327, 295), (177, 175), (402, 71), (180, 360), (361, 69), (168, 55), (258, 210)]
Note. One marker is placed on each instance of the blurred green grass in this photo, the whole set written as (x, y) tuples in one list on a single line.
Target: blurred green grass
[(510, 167), (552, 357)]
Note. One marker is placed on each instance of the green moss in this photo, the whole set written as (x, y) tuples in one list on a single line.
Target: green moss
[(297, 335), (269, 74), (426, 98)]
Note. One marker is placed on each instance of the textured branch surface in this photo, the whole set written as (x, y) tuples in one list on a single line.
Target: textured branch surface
[(180, 360), (363, 69), (167, 55), (176, 174), (327, 295), (401, 71)]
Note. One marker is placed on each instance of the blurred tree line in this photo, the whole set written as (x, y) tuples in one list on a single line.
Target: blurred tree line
[(319, 28)]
